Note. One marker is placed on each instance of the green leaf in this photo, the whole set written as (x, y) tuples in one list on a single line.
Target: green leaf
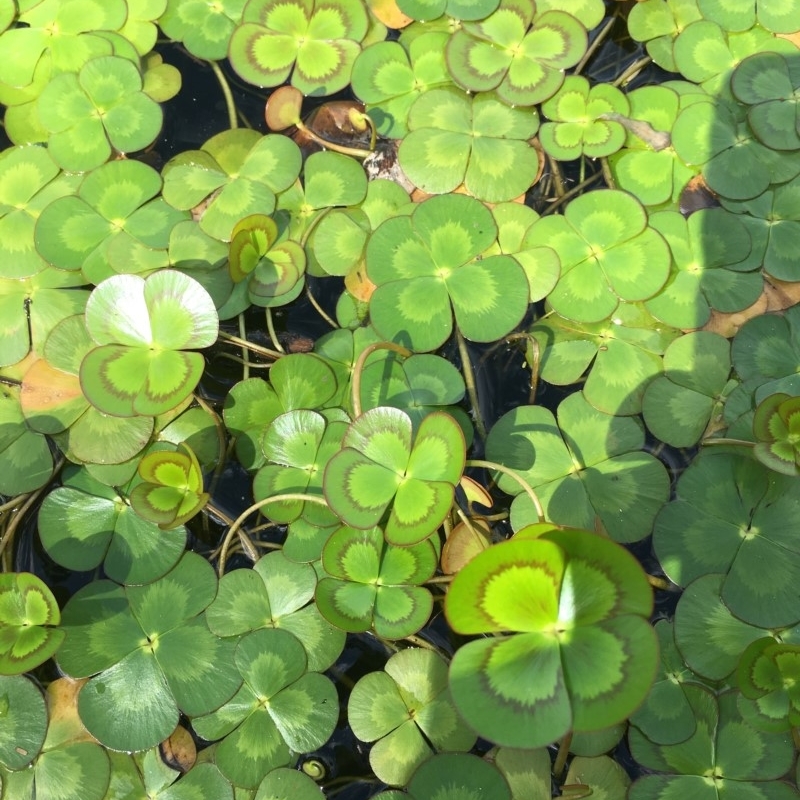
[(375, 584), (115, 223), (459, 776), (428, 267), (172, 489), (679, 405), (478, 141), (608, 253), (83, 524), (204, 30), (528, 590), (729, 512), (143, 328), (408, 710), (723, 745), (24, 454), (586, 469), (524, 65), (388, 78), (315, 43), (98, 112), (379, 470), (238, 171), (24, 716)]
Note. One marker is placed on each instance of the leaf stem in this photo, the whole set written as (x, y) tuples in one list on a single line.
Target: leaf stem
[(233, 119), (598, 40), (231, 532), (561, 756), (533, 357), (571, 193), (245, 352), (356, 152), (476, 462), (732, 442), (469, 381), (271, 329), (358, 369), (318, 308), (255, 348), (632, 71)]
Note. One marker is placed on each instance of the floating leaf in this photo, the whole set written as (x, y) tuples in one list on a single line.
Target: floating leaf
[(679, 405), (711, 269), (724, 756), (648, 165), (622, 355), (235, 173), (204, 30), (114, 223), (153, 637), (24, 455), (24, 721), (98, 112), (172, 489), (775, 426), (298, 380), (276, 594), (83, 524), (298, 446), (29, 181), (280, 706), (388, 78), (608, 253), (314, 42)]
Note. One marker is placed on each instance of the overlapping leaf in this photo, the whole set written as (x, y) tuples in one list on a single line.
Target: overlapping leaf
[(276, 593), (608, 253), (151, 637), (313, 41), (281, 708), (83, 524), (29, 619)]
